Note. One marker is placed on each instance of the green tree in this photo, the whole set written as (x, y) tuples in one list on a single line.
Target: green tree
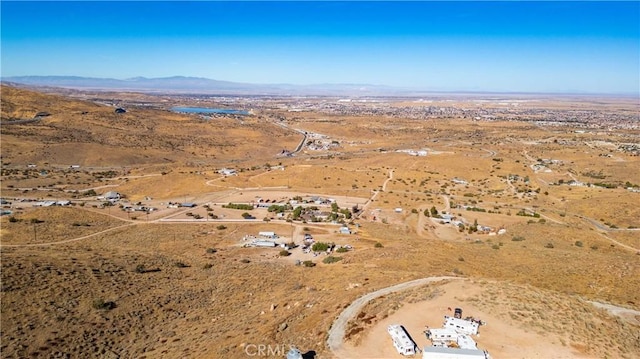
[(297, 212), (434, 211), (334, 207), (319, 247)]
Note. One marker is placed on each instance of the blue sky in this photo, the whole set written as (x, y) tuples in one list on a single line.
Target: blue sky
[(480, 46)]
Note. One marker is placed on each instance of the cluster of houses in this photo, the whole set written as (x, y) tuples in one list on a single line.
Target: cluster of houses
[(228, 172), (452, 341), (181, 205), (318, 142), (52, 203), (110, 196), (446, 218), (264, 239), (138, 208)]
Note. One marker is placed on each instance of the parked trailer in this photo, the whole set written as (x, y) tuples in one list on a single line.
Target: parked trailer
[(441, 337), (461, 325), (401, 340), (265, 244)]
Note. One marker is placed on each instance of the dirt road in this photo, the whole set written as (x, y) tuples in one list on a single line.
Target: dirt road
[(338, 328)]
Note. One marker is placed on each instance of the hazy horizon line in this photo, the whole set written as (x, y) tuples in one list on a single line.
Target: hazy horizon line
[(389, 87)]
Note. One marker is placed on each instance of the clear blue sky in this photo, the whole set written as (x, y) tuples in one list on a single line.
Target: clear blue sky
[(481, 46)]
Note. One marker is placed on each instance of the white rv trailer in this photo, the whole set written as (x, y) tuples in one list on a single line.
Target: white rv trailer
[(268, 234), (268, 244), (441, 337), (401, 340), (461, 325), (466, 342), (441, 334)]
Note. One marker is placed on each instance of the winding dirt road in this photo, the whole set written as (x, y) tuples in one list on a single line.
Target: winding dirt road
[(338, 328)]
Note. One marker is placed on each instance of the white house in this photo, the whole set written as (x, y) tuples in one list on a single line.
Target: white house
[(112, 196), (268, 234), (401, 340), (228, 172)]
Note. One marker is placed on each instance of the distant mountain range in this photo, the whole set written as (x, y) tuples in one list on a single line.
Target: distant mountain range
[(182, 84)]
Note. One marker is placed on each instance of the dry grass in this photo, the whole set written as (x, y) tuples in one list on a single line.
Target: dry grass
[(48, 292)]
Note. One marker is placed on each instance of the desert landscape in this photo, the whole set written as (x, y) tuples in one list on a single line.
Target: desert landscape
[(129, 230)]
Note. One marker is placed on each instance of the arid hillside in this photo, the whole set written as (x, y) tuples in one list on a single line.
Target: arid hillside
[(151, 234), (74, 132)]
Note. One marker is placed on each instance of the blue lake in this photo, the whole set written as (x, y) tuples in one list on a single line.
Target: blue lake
[(209, 110)]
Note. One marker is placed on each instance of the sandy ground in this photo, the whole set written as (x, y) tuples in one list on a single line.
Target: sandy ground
[(500, 339)]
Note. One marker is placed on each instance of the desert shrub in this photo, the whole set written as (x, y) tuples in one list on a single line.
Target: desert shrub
[(140, 268), (342, 250), (35, 220), (548, 245), (331, 259), (495, 246), (579, 244), (207, 266), (308, 264), (245, 260), (461, 259), (319, 247), (101, 304), (284, 253), (13, 219), (594, 247), (211, 250), (517, 238), (378, 245), (180, 264), (221, 227)]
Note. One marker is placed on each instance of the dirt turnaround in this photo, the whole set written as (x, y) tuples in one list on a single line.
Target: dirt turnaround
[(337, 331)]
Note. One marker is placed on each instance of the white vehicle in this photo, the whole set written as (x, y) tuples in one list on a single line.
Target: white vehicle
[(401, 340), (461, 325)]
